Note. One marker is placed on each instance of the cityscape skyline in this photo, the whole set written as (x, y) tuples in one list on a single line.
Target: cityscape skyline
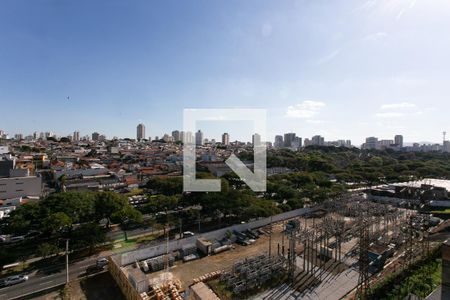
[(279, 140), (321, 83)]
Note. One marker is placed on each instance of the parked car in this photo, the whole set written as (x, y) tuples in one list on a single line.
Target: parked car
[(102, 262), (4, 238), (242, 241), (251, 234), (188, 233)]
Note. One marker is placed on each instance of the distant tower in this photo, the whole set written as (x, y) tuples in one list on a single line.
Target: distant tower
[(279, 142), (225, 139), (256, 139), (288, 139), (140, 134), (95, 136), (398, 140), (76, 136), (199, 138), (176, 135), (444, 134)]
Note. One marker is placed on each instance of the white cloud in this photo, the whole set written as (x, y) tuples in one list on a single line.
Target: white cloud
[(405, 8), (390, 115), (374, 37), (317, 121), (401, 105), (305, 110), (329, 57), (397, 110)]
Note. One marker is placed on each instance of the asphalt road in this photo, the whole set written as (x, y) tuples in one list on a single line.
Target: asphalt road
[(56, 274), (46, 278)]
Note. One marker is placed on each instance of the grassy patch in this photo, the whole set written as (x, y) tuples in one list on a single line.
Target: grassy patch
[(445, 211), (420, 279), (147, 238), (135, 192)]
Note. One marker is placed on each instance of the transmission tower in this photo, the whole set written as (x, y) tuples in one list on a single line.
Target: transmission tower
[(364, 242)]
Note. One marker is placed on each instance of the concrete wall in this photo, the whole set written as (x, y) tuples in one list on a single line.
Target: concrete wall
[(122, 281), (391, 200), (5, 166), (4, 149), (138, 255), (20, 187), (445, 289)]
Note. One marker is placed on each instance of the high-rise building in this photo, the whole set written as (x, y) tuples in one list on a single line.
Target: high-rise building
[(140, 132), (176, 136), (399, 140), (278, 143), (446, 146), (256, 139), (18, 136), (76, 136), (199, 138), (297, 143), (49, 134), (186, 137), (225, 139), (383, 144), (168, 138), (288, 139), (340, 143), (95, 136), (317, 140), (371, 143)]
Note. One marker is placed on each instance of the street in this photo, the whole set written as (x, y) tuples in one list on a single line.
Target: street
[(46, 278)]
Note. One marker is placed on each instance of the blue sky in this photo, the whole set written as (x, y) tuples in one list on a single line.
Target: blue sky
[(344, 69)]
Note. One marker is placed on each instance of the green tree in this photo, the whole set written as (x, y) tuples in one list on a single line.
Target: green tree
[(89, 236), (57, 223), (126, 216), (108, 203), (46, 250)]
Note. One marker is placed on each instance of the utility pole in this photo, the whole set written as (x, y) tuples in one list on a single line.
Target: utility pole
[(67, 261), (167, 248), (270, 238), (181, 226)]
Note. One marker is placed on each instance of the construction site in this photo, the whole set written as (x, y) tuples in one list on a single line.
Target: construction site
[(335, 251)]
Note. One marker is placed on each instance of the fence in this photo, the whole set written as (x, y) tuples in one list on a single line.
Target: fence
[(138, 255)]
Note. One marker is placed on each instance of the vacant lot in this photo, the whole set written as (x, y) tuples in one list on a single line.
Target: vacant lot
[(96, 287), (186, 272)]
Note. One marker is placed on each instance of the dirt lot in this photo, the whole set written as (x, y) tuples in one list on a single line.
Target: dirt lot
[(97, 287), (186, 272)]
